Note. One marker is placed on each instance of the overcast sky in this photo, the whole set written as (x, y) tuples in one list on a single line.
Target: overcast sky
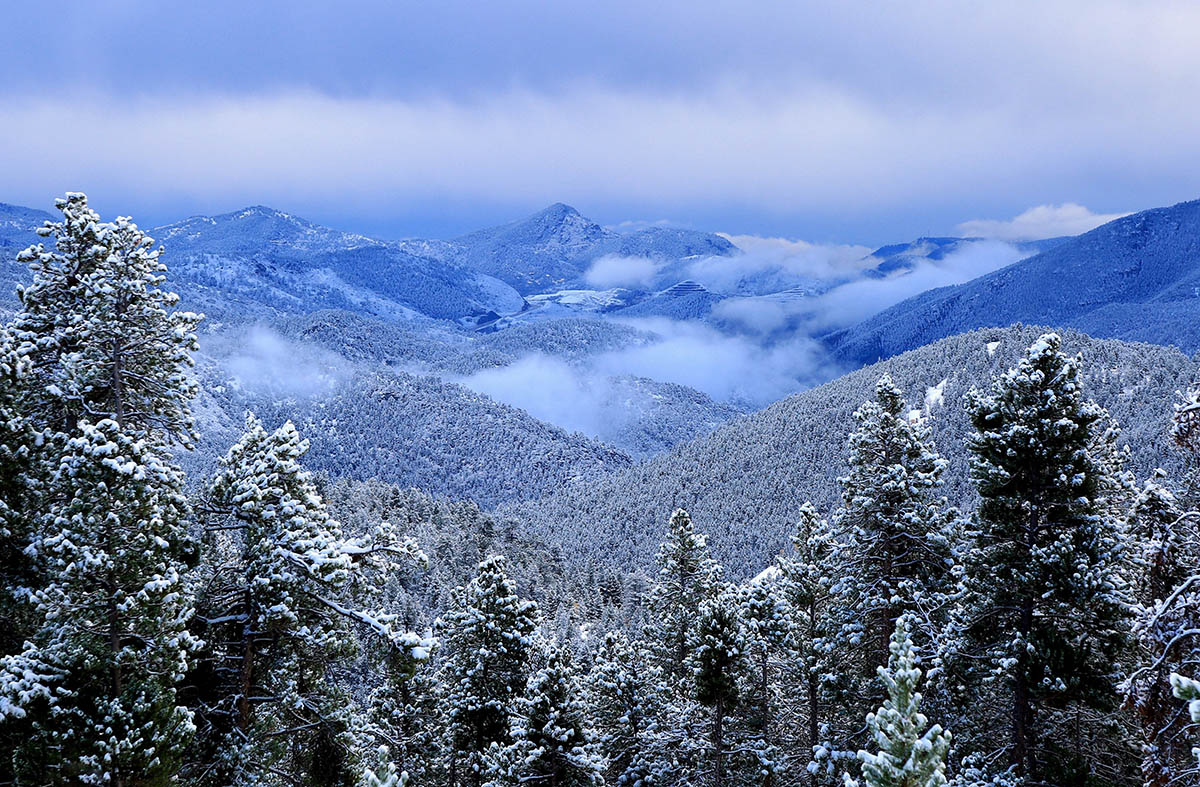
[(861, 122)]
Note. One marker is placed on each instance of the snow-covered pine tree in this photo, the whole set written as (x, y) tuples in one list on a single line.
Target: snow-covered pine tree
[(98, 330), (1045, 613), (548, 727), (274, 612), (716, 658), (97, 681), (686, 577), (807, 584), (1168, 555), (488, 641), (769, 651), (895, 538), (625, 698), (909, 755), (383, 772), (18, 573), (1189, 690), (404, 712), (105, 393)]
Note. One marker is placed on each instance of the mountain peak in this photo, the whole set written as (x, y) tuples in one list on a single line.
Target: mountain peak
[(560, 207)]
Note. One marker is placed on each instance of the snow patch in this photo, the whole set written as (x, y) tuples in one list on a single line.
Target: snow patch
[(935, 396)]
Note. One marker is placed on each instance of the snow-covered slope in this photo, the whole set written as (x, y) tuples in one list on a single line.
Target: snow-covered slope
[(1135, 278)]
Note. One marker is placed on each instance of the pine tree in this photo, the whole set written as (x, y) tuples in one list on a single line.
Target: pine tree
[(104, 394), (548, 727), (404, 712), (1189, 689), (383, 772), (98, 332), (1045, 613), (624, 696), (896, 540), (273, 610), (487, 646), (909, 754), (808, 583), (716, 660), (686, 577), (1169, 555), (769, 650), (18, 573)]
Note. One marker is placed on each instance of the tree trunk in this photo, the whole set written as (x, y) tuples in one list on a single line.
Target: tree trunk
[(247, 676), (814, 727), (719, 743)]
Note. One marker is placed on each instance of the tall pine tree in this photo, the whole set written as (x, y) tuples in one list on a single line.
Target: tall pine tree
[(488, 642), (909, 755), (896, 538), (273, 610), (106, 395), (687, 576), (549, 731), (1045, 613)]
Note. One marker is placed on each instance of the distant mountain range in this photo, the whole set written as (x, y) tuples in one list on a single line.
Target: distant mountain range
[(1135, 278)]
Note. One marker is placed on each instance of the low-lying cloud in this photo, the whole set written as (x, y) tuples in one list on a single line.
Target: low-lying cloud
[(1038, 223), (262, 361), (615, 271), (773, 264), (858, 300)]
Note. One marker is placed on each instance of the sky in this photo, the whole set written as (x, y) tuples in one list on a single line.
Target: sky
[(849, 122)]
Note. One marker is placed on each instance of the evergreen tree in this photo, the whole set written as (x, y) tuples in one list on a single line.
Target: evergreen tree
[(909, 754), (769, 651), (487, 646), (383, 772), (686, 577), (404, 713), (19, 575), (548, 727), (273, 611), (896, 550), (716, 660), (1188, 689), (1169, 555), (1045, 613), (624, 697), (808, 582), (98, 678), (103, 393), (96, 327)]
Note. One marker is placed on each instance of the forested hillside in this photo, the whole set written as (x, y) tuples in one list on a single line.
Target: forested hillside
[(745, 480)]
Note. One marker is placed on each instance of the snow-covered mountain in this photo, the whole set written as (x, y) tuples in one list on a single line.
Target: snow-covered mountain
[(266, 257), (552, 249)]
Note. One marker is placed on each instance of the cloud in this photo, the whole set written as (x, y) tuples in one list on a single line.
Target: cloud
[(550, 390), (756, 315), (727, 368), (1042, 221), (851, 303), (809, 154), (262, 361), (615, 271), (774, 264)]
